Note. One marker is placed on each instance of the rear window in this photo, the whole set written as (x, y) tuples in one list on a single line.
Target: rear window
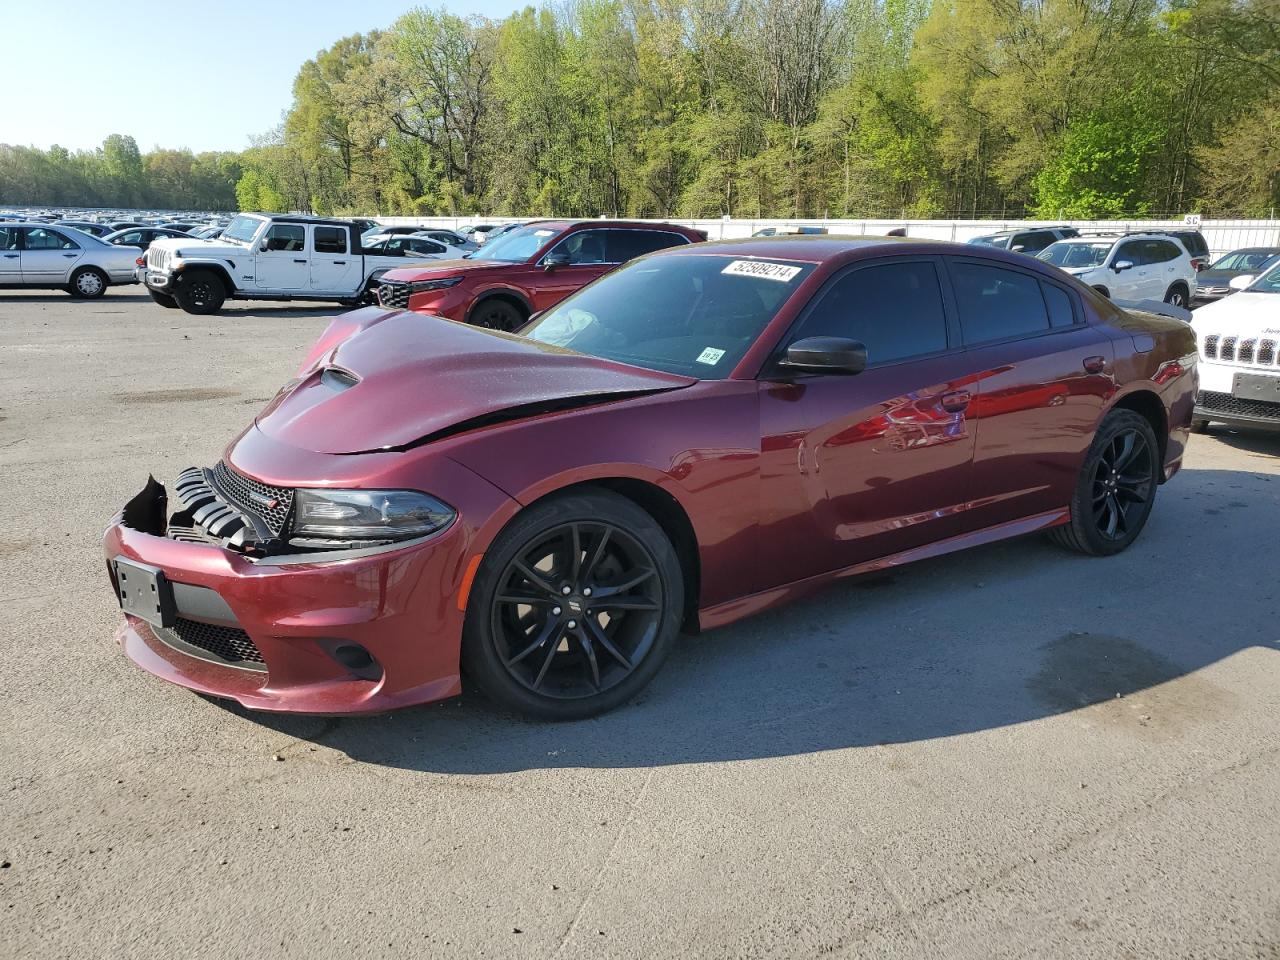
[(331, 240), (996, 304)]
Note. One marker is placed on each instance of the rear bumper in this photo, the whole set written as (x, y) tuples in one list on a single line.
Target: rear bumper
[(399, 606)]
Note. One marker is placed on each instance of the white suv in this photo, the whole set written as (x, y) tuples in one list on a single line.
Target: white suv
[(1239, 341), (1135, 266)]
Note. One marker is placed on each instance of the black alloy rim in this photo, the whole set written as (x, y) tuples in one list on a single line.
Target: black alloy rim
[(200, 292), (1123, 482), (1176, 298), (494, 318), (577, 610)]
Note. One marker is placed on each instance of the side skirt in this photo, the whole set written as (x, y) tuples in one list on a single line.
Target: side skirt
[(725, 613)]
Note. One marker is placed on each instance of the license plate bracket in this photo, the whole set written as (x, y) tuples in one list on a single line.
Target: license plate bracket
[(1253, 386), (145, 592)]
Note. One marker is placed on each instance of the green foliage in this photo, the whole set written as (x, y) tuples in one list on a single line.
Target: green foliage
[(750, 108)]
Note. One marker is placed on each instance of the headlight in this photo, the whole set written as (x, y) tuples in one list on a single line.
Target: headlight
[(378, 516), (418, 286)]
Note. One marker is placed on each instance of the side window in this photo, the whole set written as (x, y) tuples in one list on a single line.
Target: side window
[(893, 308), (1131, 251), (585, 246), (330, 240), (625, 245), (289, 237), (8, 238), (41, 238), (131, 239), (995, 303), (1035, 242), (1061, 311), (1162, 251)]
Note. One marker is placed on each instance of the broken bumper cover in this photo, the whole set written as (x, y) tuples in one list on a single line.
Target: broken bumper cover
[(359, 631)]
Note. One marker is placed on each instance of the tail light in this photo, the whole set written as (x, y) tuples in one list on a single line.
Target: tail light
[(140, 261), (1199, 263)]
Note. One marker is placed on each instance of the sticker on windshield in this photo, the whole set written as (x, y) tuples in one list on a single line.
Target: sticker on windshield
[(543, 233), (710, 355), (758, 268)]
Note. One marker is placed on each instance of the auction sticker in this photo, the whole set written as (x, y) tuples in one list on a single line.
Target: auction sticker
[(760, 268), (710, 355)]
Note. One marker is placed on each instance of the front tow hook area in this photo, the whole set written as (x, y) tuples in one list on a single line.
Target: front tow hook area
[(148, 512)]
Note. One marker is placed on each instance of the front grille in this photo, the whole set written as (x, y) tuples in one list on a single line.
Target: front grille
[(1225, 403), (1266, 353), (270, 503), (1228, 350), (1251, 352), (228, 644), (393, 294), (1245, 353), (157, 258), (1211, 347)]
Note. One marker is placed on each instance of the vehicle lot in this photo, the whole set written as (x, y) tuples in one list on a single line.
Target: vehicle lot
[(1008, 752)]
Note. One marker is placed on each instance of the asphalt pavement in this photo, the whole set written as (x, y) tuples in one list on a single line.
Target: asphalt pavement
[(1010, 752)]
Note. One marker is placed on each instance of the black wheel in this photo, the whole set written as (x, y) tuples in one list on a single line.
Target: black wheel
[(574, 608), (1116, 489), (200, 291), (1176, 295), (163, 299), (496, 314), (88, 283), (1199, 426)]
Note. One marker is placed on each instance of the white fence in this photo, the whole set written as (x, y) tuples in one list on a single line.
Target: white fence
[(1222, 235)]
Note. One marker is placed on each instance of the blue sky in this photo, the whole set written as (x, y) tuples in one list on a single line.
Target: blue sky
[(172, 73)]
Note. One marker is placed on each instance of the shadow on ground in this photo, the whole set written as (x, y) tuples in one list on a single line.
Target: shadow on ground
[(982, 639)]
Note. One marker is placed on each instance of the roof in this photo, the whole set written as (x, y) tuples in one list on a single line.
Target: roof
[(290, 218), (809, 247)]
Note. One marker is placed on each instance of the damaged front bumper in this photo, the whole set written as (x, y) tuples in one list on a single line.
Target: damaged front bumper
[(208, 605)]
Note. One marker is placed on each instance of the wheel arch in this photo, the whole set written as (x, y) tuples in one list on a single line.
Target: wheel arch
[(1148, 405), (666, 511), (214, 267)]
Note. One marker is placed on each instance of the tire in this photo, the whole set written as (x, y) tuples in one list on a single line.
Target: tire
[(564, 656), (1199, 426), (496, 313), (1116, 489), (163, 299), (1177, 295), (201, 292), (88, 283)]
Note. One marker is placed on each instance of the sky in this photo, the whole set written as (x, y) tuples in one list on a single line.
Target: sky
[(206, 75)]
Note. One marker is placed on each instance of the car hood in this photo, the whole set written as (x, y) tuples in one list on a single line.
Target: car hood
[(1217, 278), (436, 269), (1242, 314), (405, 379), (197, 247)]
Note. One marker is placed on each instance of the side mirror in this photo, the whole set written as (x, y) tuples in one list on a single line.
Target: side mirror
[(1019, 248), (1121, 265), (1242, 281), (825, 355), (264, 245), (553, 260)]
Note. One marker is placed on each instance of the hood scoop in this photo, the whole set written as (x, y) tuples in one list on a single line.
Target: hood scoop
[(413, 379)]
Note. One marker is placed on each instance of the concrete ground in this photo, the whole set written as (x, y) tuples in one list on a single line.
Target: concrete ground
[(1012, 752)]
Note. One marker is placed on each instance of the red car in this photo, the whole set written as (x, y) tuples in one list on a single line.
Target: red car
[(526, 270), (701, 435)]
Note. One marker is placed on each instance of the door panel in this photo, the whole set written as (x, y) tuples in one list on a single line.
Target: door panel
[(48, 256), (334, 268), (10, 256), (855, 468), (285, 264), (1134, 283)]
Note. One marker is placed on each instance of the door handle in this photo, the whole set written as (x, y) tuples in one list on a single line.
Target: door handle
[(298, 261), (957, 401), (71, 255), (1095, 364), (339, 263), (11, 256)]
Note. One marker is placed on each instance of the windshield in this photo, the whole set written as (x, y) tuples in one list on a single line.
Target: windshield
[(997, 241), (1269, 282), (1247, 261), (1070, 255), (687, 314), (241, 229), (515, 246)]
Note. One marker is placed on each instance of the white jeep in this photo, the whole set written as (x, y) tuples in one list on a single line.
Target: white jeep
[(1239, 341), (263, 256)]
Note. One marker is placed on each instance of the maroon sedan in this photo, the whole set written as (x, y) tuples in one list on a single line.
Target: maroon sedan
[(700, 435), (526, 270)]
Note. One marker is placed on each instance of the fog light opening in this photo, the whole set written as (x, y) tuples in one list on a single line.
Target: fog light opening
[(354, 657)]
